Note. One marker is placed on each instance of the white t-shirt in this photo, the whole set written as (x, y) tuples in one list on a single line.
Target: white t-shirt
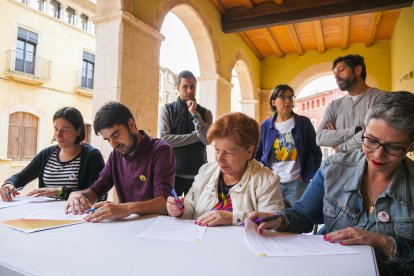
[(284, 157)]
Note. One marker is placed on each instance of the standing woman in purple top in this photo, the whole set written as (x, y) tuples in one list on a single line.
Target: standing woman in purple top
[(68, 166), (141, 168)]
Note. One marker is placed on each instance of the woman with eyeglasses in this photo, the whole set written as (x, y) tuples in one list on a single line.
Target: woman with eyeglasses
[(366, 196), (68, 166), (288, 145)]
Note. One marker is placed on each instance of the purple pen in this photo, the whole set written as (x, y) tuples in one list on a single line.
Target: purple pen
[(177, 200), (260, 220)]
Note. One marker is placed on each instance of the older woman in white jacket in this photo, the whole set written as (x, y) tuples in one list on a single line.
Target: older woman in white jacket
[(225, 191)]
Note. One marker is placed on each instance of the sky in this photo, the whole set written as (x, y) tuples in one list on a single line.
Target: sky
[(178, 53), (177, 50)]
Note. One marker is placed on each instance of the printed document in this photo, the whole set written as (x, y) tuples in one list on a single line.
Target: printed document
[(285, 244), (20, 200), (170, 228)]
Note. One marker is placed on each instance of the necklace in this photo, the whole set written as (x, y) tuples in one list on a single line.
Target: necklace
[(371, 208)]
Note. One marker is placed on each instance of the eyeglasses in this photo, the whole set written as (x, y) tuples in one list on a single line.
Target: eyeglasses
[(285, 98), (392, 150)]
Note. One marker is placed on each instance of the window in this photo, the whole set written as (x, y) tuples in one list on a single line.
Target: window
[(22, 138), (313, 104), (323, 101), (56, 8), (41, 5), (84, 22), (318, 103), (25, 51), (88, 66), (71, 15), (303, 106), (307, 105)]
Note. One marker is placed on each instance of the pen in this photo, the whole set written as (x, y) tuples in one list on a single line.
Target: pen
[(177, 200), (269, 218), (17, 189), (93, 209)]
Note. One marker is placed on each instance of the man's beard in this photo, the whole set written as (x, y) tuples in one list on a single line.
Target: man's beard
[(347, 84), (131, 148)]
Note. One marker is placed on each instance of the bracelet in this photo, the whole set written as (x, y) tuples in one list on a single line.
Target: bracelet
[(59, 192), (393, 250)]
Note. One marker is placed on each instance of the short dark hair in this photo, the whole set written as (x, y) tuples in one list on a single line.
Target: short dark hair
[(396, 109), (352, 61), (185, 75), (276, 92), (74, 117), (111, 114)]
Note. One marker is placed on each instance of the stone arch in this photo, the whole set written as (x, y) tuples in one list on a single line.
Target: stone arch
[(197, 26), (319, 70), (249, 103)]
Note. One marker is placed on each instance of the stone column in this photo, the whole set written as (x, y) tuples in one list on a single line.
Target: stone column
[(214, 93), (249, 107), (127, 67), (63, 12)]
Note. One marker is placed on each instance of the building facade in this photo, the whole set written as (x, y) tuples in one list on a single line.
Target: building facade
[(47, 56), (314, 106)]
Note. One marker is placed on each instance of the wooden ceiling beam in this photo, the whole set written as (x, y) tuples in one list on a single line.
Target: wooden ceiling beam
[(294, 37), (279, 2), (248, 4), (268, 13), (272, 42), (251, 45), (345, 32), (319, 35), (219, 6), (373, 29)]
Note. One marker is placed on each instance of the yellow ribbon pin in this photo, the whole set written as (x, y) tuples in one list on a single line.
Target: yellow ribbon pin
[(142, 177)]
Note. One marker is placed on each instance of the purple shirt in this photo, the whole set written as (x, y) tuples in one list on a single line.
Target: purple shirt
[(146, 174)]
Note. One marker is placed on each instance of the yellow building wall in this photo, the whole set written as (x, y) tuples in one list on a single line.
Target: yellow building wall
[(402, 53), (58, 42)]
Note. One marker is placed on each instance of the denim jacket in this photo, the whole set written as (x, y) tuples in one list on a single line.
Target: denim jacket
[(310, 155), (334, 197)]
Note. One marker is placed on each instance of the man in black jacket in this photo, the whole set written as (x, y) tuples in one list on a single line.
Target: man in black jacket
[(184, 125)]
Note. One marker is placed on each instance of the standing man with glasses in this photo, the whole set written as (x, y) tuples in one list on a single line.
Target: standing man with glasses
[(343, 120), (287, 145), (184, 124)]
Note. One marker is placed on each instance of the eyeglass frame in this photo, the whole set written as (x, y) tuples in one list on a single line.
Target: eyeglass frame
[(284, 97), (385, 146)]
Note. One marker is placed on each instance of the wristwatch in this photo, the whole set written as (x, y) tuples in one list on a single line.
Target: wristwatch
[(65, 192)]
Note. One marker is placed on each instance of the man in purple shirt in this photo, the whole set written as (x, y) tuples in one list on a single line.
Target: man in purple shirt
[(141, 168)]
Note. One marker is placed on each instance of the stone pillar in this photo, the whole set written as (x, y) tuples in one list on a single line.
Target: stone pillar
[(214, 93), (63, 13), (250, 107), (127, 67)]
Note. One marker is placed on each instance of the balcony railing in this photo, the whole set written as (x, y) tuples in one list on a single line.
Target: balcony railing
[(27, 68)]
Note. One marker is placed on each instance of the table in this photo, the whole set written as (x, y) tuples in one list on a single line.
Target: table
[(113, 248)]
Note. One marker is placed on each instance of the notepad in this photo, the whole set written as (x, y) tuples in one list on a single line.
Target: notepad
[(43, 220)]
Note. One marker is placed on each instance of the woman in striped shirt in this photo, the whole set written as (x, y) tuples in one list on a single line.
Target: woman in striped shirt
[(68, 166)]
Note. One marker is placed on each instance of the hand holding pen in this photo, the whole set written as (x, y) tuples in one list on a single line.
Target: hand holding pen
[(8, 192), (175, 206), (267, 220)]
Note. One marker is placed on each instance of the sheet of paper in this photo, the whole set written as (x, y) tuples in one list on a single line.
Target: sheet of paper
[(23, 200), (44, 220), (169, 228), (283, 244)]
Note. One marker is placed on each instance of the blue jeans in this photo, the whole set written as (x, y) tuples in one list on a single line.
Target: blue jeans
[(293, 190)]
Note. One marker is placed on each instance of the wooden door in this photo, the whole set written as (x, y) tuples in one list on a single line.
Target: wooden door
[(22, 140)]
